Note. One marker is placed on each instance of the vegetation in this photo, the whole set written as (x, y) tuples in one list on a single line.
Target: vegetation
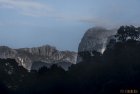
[(117, 68), (128, 32)]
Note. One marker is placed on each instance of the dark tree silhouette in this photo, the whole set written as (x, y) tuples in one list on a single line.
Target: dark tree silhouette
[(128, 32), (43, 70), (121, 34)]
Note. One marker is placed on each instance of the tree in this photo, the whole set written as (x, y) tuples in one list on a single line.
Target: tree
[(128, 32), (121, 34), (43, 70)]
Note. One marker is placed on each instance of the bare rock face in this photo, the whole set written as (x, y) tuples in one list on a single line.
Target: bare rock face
[(30, 58), (6, 52), (95, 39)]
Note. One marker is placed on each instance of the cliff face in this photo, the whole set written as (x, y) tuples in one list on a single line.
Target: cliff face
[(48, 55), (6, 52), (95, 39)]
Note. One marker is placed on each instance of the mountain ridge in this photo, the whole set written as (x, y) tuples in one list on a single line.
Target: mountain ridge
[(46, 54)]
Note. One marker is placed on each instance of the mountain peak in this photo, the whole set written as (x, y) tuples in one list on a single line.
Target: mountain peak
[(95, 39)]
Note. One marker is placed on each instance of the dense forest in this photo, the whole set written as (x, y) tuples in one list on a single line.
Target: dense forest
[(118, 68)]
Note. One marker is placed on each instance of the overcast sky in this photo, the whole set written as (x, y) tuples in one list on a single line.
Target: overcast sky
[(61, 23)]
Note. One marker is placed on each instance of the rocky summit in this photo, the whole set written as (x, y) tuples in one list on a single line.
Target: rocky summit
[(37, 57), (95, 39)]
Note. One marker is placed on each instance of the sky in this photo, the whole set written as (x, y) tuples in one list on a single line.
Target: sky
[(61, 23)]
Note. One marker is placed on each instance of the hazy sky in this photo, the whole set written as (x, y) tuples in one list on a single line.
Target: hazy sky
[(61, 23)]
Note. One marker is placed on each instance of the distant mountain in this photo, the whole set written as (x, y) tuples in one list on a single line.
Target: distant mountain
[(94, 40), (36, 57)]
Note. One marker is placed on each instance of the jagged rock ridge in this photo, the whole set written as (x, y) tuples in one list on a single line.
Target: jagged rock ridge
[(30, 58)]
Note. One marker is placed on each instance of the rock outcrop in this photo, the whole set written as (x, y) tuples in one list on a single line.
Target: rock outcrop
[(95, 39), (30, 58)]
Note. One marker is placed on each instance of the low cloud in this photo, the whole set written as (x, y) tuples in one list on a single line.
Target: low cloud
[(110, 22), (26, 7), (112, 13), (106, 13)]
